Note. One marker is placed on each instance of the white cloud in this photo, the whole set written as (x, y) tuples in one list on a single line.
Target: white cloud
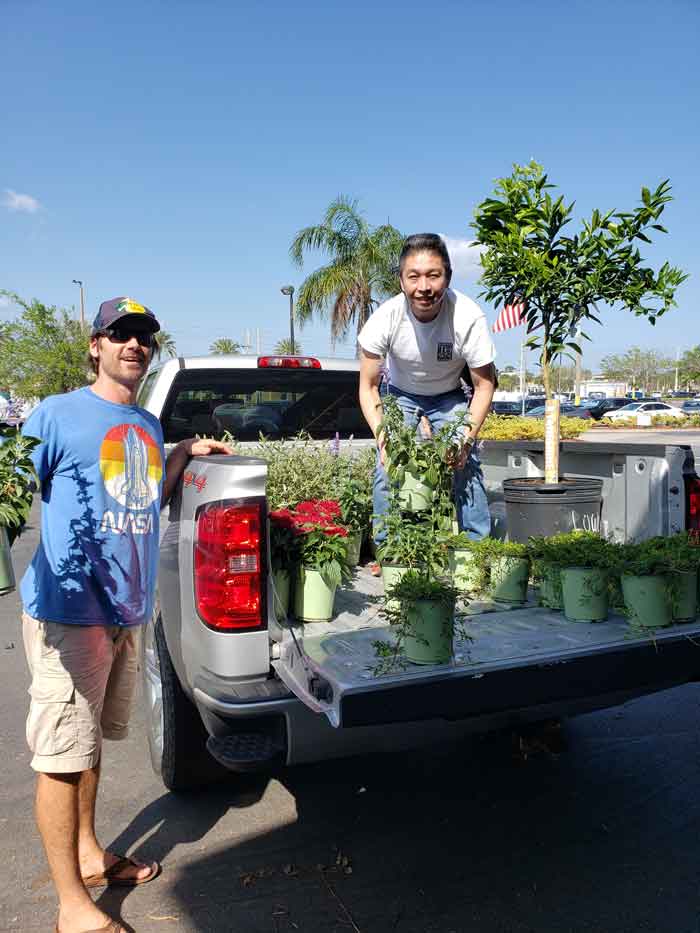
[(464, 255), (14, 201)]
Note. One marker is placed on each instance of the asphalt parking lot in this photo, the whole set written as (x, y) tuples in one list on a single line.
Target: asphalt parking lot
[(603, 837)]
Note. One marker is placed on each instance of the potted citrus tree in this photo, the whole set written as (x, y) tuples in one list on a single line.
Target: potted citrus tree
[(560, 279), (18, 480)]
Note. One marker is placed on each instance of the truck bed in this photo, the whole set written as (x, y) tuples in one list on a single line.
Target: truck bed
[(519, 657)]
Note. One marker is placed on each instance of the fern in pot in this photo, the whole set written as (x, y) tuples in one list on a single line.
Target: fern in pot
[(683, 551), (546, 571), (356, 512), (583, 560), (18, 480), (284, 558), (421, 611), (644, 571)]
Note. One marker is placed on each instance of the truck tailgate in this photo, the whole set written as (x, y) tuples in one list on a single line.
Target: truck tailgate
[(519, 658)]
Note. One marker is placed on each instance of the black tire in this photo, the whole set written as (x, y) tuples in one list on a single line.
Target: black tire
[(183, 761)]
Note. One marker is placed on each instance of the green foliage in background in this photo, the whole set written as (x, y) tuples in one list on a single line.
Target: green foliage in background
[(362, 267), (43, 351), (301, 469), (17, 479), (514, 428), (225, 346)]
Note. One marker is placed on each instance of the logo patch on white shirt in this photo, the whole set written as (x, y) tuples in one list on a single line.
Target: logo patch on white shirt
[(444, 352)]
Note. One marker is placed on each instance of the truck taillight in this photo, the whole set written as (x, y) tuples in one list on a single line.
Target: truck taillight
[(229, 569), (288, 362), (692, 492)]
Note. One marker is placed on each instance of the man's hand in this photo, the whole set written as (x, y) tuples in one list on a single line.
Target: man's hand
[(181, 453), (202, 447), (460, 456)]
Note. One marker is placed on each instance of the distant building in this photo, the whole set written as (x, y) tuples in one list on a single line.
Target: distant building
[(592, 388)]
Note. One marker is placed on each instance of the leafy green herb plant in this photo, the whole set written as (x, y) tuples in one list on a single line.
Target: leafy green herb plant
[(18, 479)]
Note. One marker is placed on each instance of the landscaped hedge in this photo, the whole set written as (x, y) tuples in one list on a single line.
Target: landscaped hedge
[(513, 428)]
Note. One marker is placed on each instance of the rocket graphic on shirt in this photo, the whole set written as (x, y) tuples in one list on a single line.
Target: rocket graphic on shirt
[(132, 469)]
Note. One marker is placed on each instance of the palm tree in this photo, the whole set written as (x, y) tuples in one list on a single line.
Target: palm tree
[(284, 347), (164, 345), (225, 346), (362, 268)]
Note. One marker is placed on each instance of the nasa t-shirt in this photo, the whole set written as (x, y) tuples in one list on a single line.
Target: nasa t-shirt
[(428, 358), (101, 468)]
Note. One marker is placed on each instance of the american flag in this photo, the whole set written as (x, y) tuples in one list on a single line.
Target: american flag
[(510, 316)]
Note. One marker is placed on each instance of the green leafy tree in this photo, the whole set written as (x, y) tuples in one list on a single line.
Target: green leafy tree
[(225, 346), (362, 267), (165, 345), (284, 347), (641, 369), (689, 366), (43, 352), (562, 279)]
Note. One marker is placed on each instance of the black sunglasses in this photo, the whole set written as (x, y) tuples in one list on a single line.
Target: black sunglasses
[(124, 334)]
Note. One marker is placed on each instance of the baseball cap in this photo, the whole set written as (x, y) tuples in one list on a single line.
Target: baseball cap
[(117, 308)]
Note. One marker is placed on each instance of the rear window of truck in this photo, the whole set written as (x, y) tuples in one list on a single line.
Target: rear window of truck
[(277, 403)]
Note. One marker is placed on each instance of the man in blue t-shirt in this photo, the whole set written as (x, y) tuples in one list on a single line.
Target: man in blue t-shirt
[(89, 588)]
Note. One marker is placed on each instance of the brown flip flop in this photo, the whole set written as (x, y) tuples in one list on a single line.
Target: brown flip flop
[(112, 877)]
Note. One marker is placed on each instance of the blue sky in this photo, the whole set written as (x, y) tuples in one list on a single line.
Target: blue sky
[(170, 151)]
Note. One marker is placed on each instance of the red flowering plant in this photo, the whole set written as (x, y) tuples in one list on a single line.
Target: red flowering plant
[(311, 535)]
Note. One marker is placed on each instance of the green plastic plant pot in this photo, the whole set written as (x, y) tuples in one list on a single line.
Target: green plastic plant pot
[(313, 597), (354, 540), (683, 587), (465, 574), (7, 576), (281, 583), (647, 600), (391, 574), (509, 576), (431, 626), (584, 593), (415, 495), (550, 587)]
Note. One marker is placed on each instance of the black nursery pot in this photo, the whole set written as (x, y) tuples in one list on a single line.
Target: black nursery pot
[(534, 507)]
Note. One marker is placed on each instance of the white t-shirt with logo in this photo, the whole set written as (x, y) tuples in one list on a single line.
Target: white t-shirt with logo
[(428, 359)]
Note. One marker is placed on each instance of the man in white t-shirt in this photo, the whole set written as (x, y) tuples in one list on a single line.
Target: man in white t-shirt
[(427, 335)]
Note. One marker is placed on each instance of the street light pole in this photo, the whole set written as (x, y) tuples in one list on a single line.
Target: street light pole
[(289, 290), (82, 303)]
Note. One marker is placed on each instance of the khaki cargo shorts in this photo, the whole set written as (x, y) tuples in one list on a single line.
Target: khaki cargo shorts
[(83, 682)]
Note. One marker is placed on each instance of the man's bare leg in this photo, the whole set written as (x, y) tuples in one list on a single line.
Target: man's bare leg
[(57, 818), (93, 858)]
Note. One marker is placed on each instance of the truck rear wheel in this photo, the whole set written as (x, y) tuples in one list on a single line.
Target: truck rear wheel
[(176, 736)]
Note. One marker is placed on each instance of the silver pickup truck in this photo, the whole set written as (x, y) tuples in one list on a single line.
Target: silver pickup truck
[(238, 691)]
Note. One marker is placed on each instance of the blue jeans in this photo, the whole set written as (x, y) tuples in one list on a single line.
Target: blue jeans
[(469, 494)]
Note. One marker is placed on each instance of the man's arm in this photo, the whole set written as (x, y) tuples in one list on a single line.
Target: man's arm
[(370, 402), (484, 382), (179, 457)]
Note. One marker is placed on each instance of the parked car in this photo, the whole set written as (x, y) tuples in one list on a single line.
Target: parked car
[(691, 406), (601, 408), (506, 408), (646, 408), (566, 411)]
